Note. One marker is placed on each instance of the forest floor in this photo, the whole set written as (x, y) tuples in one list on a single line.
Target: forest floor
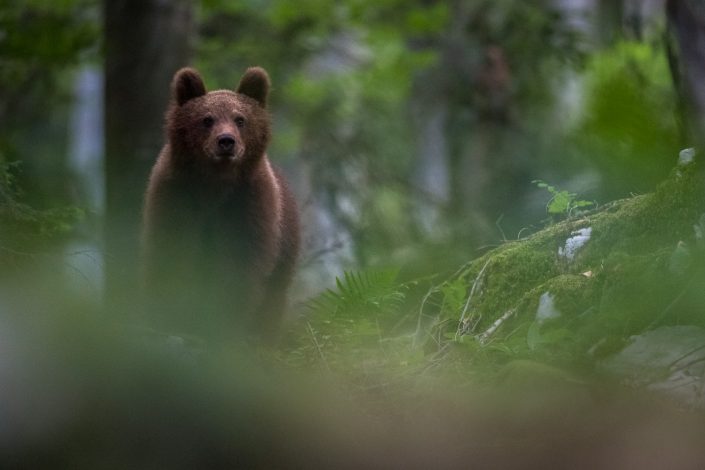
[(610, 295)]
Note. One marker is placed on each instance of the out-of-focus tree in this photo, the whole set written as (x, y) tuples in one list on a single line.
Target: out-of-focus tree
[(403, 124), (405, 117), (146, 41), (40, 42), (686, 28), (499, 63)]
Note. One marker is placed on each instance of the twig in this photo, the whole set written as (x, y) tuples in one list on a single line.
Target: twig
[(430, 292), (461, 329), (490, 331), (318, 346), (497, 224), (683, 356)]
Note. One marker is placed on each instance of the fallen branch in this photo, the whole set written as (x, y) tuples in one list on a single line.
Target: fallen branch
[(491, 330)]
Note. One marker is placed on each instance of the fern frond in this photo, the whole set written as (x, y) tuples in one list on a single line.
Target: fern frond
[(360, 292)]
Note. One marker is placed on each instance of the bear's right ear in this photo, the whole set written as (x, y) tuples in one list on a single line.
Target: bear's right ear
[(255, 84), (187, 85)]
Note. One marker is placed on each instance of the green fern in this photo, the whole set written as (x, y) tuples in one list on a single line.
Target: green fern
[(360, 292)]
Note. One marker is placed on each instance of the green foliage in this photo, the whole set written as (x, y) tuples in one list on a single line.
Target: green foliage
[(455, 295), (563, 203), (41, 43), (536, 339), (39, 39), (368, 293), (47, 32), (629, 130), (343, 76), (621, 283), (24, 229), (348, 78), (353, 328), (351, 81)]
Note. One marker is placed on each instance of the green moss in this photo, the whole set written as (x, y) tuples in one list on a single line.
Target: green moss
[(618, 283), (572, 294), (621, 282)]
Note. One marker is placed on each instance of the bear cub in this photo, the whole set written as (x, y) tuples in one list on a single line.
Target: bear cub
[(220, 228)]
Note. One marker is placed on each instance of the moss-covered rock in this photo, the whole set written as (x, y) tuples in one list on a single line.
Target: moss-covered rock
[(609, 274), (568, 297)]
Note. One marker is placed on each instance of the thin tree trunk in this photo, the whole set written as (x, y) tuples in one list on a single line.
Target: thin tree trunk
[(145, 42), (686, 47)]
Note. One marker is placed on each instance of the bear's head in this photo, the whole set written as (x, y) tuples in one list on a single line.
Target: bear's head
[(221, 130)]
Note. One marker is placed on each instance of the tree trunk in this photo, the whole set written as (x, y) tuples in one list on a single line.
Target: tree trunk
[(145, 42), (686, 48)]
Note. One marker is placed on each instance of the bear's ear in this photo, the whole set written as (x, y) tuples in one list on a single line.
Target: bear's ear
[(186, 85), (255, 84)]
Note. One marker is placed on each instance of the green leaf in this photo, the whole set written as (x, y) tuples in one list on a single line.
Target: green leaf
[(560, 202)]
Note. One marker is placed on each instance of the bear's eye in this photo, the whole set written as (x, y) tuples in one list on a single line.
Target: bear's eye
[(208, 121), (240, 121)]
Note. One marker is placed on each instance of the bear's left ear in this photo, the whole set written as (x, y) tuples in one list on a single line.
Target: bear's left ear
[(255, 84)]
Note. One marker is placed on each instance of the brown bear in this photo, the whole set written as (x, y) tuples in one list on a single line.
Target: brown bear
[(220, 229)]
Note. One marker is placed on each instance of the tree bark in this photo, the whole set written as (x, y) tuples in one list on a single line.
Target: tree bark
[(146, 41)]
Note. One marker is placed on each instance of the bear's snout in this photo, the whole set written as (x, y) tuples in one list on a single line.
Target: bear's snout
[(226, 144)]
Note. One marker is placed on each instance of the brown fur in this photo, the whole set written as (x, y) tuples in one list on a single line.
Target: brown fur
[(221, 234)]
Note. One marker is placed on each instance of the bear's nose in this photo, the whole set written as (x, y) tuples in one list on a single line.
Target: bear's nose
[(226, 143)]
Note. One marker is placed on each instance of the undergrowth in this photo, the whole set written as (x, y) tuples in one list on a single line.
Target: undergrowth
[(522, 301)]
